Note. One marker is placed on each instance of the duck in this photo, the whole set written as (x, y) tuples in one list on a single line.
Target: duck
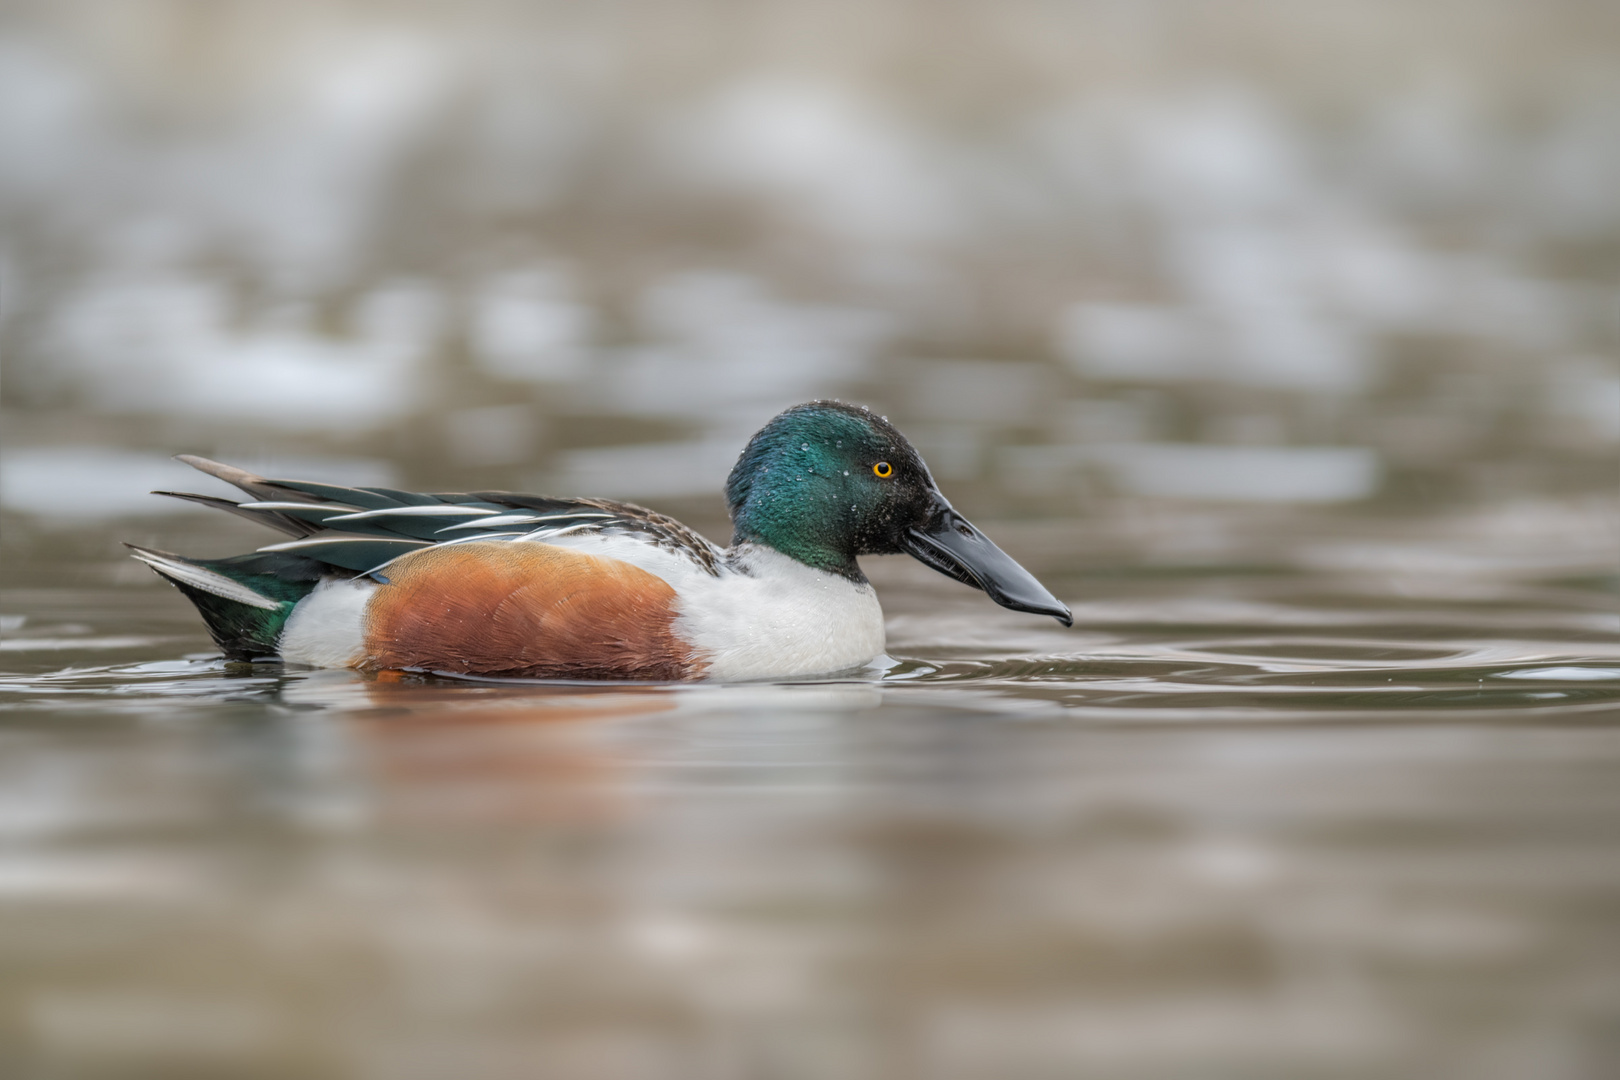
[(505, 585)]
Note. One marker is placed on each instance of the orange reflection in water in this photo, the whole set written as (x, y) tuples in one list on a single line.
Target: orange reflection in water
[(450, 753)]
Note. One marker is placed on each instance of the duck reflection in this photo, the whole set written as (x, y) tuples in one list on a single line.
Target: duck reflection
[(423, 749)]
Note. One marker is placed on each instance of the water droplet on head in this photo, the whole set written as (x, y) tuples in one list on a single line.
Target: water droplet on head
[(804, 446), (846, 472)]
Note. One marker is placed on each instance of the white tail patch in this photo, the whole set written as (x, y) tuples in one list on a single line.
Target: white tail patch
[(327, 628), (206, 580)]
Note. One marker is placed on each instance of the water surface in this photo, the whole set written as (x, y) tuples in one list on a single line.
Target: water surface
[(1276, 820)]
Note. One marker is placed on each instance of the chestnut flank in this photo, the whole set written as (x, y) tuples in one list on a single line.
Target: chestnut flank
[(525, 609)]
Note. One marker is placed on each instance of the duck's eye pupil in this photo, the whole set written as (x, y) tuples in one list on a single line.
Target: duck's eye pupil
[(883, 468)]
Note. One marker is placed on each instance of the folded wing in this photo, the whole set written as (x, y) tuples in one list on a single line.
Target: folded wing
[(360, 529)]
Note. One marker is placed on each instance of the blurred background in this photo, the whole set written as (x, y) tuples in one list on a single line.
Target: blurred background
[(1281, 337), (1281, 252)]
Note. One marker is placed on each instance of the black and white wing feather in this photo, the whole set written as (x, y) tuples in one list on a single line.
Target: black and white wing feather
[(361, 528)]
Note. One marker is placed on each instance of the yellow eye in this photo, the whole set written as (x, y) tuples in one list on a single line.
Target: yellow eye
[(883, 469)]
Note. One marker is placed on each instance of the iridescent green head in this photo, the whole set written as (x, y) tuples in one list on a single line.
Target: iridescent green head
[(825, 482)]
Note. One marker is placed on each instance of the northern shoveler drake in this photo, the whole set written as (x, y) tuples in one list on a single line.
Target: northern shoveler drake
[(499, 584)]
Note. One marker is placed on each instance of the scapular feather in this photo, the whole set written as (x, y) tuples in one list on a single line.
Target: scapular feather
[(358, 553), (379, 524)]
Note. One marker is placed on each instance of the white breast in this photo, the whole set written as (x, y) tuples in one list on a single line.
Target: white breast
[(774, 617)]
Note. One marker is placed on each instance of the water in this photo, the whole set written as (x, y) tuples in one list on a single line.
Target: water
[(1277, 819), (1282, 347)]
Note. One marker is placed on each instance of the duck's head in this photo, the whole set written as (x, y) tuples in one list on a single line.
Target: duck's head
[(825, 482)]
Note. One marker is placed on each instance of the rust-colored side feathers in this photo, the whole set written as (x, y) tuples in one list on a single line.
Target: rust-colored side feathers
[(526, 609)]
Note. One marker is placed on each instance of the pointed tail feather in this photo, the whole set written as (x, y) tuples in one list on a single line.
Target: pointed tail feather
[(305, 491), (252, 483), (184, 572), (245, 600), (279, 503), (286, 523)]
